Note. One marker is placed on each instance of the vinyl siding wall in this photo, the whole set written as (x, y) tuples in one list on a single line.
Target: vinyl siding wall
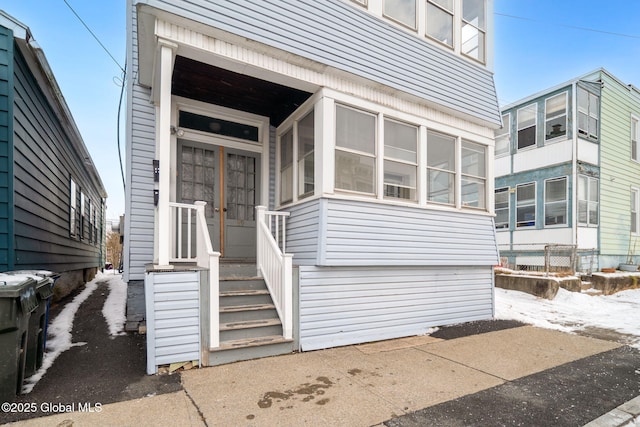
[(140, 154), (619, 173), (6, 129), (44, 161), (344, 306), (343, 36)]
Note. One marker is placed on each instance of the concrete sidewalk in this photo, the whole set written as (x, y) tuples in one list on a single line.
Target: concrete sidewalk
[(389, 382)]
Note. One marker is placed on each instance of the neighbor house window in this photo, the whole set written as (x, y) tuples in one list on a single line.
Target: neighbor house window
[(588, 114), (527, 126), (588, 200), (635, 199), (474, 175), (503, 136), (83, 206), (306, 166), (440, 21), (502, 208), (73, 208), (355, 150), (473, 29), (400, 160), (441, 169), (526, 205), (555, 201), (403, 11), (286, 166), (556, 116), (635, 132)]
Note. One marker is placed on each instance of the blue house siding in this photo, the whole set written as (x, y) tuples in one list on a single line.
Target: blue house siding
[(6, 129), (341, 35)]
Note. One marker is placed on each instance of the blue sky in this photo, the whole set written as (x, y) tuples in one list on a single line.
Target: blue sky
[(531, 54)]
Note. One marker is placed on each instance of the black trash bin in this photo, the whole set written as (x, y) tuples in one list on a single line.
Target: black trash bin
[(17, 301)]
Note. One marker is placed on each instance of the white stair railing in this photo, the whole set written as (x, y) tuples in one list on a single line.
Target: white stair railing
[(274, 265), (192, 243)]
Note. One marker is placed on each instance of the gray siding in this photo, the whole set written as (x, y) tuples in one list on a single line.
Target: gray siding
[(173, 318), (344, 306), (341, 35), (6, 129), (140, 155), (44, 160), (332, 232)]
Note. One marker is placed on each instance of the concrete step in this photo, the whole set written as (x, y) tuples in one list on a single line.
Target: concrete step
[(246, 329), (245, 297)]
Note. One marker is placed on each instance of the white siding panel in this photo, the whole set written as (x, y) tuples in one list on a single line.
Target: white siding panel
[(350, 305), (302, 232), (173, 318), (361, 233)]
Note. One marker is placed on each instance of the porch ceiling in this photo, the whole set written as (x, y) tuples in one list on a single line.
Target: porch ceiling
[(203, 82)]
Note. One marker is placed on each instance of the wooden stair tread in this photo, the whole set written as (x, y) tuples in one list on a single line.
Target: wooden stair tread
[(246, 324), (250, 342), (249, 307), (245, 292), (239, 278)]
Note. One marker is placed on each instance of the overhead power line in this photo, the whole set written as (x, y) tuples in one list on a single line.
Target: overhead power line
[(94, 36), (575, 27)]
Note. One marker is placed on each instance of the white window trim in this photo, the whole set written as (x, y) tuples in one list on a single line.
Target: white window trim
[(73, 208), (416, 23), (588, 223), (404, 162), (535, 205), (508, 208), (637, 211), (476, 177), (565, 114), (483, 60), (637, 135), (518, 128), (566, 201), (454, 38), (589, 114)]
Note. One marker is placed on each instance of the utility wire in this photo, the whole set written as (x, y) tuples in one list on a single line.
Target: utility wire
[(124, 82), (94, 36), (593, 30)]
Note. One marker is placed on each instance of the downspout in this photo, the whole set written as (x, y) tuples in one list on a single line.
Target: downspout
[(574, 161)]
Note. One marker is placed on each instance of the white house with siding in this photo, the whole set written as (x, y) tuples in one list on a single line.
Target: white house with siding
[(305, 174)]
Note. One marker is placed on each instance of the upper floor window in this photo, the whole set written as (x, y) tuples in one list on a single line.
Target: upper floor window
[(588, 114), (473, 29), (441, 169), (588, 200), (503, 136), (555, 116), (527, 126), (555, 201), (400, 160), (474, 174), (403, 11), (502, 208), (526, 205), (635, 133), (355, 150), (440, 21)]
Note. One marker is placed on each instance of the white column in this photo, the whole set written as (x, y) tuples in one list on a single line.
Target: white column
[(164, 68)]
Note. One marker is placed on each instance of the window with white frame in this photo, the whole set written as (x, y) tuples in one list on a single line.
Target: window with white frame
[(503, 136), (403, 11), (441, 168), (527, 126), (400, 160), (555, 201), (474, 175), (635, 132), (501, 207), (635, 208), (440, 21), (473, 29), (555, 115), (306, 166), (355, 150), (83, 207), (526, 205), (588, 200), (73, 208), (286, 167), (588, 114)]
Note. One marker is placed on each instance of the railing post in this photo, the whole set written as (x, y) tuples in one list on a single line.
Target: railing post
[(287, 290), (260, 217)]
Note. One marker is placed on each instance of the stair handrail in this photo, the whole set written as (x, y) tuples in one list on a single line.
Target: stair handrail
[(274, 265)]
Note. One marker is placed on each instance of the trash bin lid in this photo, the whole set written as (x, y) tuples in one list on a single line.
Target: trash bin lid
[(43, 278), (22, 287)]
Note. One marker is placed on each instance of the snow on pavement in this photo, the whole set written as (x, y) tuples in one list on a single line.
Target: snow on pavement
[(59, 337), (575, 312)]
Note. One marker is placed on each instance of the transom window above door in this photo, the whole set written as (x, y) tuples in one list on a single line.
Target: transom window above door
[(217, 126)]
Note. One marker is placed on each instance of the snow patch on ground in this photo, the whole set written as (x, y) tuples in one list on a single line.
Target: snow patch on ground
[(575, 312), (114, 310)]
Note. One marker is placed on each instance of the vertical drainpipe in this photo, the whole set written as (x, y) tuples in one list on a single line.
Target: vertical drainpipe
[(574, 161)]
